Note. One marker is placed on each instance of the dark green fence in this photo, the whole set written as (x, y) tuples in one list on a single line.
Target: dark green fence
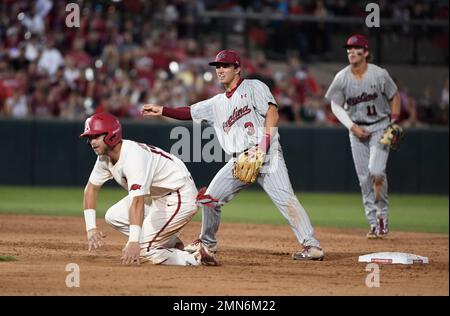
[(319, 159)]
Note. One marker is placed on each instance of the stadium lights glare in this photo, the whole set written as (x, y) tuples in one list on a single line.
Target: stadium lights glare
[(88, 103), (174, 67), (89, 73), (98, 63)]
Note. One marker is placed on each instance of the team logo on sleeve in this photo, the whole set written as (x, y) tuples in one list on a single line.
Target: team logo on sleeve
[(135, 187), (237, 114), (250, 128)]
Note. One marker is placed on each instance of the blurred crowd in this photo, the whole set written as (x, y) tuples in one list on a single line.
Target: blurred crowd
[(125, 55)]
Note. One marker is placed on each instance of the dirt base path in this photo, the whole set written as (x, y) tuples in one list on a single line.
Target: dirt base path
[(256, 260)]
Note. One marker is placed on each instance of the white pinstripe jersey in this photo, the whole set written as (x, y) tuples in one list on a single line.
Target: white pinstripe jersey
[(142, 170), (238, 120)]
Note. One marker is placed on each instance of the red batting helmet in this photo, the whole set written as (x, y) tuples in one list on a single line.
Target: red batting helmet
[(104, 123), (227, 57), (357, 40)]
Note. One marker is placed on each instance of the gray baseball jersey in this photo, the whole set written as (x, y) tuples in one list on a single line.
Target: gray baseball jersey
[(366, 101), (238, 120)]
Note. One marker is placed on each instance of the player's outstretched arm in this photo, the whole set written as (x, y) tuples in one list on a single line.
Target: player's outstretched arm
[(182, 113), (152, 110), (94, 236)]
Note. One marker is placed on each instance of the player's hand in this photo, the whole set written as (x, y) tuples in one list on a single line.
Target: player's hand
[(95, 239), (360, 132), (151, 110), (252, 153), (131, 252)]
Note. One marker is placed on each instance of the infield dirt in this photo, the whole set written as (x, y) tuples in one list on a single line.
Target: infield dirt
[(255, 260)]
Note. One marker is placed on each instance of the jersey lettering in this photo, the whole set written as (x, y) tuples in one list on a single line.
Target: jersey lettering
[(237, 114), (364, 97), (154, 150)]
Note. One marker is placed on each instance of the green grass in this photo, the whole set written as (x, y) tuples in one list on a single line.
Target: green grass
[(424, 213), (7, 258)]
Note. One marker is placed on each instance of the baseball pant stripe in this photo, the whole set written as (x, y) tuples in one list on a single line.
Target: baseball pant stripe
[(167, 223)]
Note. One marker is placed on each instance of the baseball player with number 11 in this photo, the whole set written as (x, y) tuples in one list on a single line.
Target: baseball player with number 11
[(365, 100), (245, 119)]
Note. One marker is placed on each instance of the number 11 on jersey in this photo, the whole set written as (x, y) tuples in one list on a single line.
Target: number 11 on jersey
[(371, 111)]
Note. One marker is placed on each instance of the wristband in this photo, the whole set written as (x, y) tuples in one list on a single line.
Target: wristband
[(89, 218), (265, 143), (394, 118), (135, 233)]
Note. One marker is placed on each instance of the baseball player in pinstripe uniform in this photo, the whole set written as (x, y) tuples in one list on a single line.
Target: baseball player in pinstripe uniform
[(245, 116), (161, 200), (365, 100)]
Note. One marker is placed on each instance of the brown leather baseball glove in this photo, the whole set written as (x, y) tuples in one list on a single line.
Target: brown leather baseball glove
[(392, 135), (248, 164)]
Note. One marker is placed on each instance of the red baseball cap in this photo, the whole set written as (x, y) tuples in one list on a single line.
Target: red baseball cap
[(227, 57), (357, 40)]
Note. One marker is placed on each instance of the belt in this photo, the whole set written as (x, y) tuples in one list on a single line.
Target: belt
[(370, 123)]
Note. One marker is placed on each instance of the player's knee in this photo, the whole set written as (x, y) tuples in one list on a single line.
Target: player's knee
[(378, 180), (109, 216), (376, 173), (284, 198)]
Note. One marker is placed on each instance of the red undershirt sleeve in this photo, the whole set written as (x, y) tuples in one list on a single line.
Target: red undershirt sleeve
[(183, 113)]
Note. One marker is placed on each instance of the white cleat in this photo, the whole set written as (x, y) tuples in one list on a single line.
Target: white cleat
[(196, 245), (309, 253)]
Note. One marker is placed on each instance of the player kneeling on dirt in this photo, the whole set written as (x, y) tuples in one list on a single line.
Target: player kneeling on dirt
[(161, 198)]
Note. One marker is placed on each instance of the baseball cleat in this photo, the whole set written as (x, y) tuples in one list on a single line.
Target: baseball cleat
[(382, 227), (372, 234), (205, 257), (196, 245), (309, 253)]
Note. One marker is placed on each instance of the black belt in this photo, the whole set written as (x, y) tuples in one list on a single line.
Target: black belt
[(369, 123)]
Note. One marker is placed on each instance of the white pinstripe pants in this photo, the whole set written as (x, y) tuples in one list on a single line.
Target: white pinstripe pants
[(275, 183), (370, 158)]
